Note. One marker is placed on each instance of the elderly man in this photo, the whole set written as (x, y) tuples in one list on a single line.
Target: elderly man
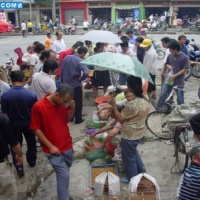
[(59, 44), (150, 63), (190, 187), (73, 73), (42, 83)]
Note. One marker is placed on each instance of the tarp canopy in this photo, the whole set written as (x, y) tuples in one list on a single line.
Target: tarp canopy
[(5, 27)]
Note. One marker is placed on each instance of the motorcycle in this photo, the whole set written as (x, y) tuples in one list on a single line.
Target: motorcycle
[(7, 69), (160, 52), (97, 26), (194, 69)]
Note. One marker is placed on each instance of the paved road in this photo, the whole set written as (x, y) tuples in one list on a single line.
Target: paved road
[(157, 155), (8, 44)]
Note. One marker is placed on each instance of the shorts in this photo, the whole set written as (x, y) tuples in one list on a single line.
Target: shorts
[(29, 29), (85, 29), (101, 78), (152, 87)]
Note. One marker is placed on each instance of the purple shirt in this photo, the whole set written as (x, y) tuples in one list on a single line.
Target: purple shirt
[(71, 69), (178, 62)]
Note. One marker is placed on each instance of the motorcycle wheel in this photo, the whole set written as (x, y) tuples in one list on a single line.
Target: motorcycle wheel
[(160, 54), (188, 73), (196, 71)]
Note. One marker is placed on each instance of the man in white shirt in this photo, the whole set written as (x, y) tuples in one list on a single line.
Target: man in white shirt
[(151, 18), (73, 20), (150, 63), (165, 41), (126, 51), (59, 44), (85, 25), (23, 28), (39, 48), (131, 46), (96, 21), (42, 83)]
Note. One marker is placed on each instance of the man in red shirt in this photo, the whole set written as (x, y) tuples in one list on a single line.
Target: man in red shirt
[(49, 119), (65, 53)]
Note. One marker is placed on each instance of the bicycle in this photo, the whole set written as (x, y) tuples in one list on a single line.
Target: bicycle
[(182, 147), (159, 118)]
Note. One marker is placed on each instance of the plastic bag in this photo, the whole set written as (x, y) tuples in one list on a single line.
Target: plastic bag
[(99, 183), (91, 124), (96, 154), (113, 184), (136, 179)]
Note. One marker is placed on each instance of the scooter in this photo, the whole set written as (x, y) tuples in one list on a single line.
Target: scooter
[(195, 56), (160, 52)]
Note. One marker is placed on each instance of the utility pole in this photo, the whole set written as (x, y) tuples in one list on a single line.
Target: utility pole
[(53, 10), (30, 9)]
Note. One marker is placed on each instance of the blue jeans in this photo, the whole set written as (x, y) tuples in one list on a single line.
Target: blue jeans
[(166, 89), (61, 165), (131, 159)]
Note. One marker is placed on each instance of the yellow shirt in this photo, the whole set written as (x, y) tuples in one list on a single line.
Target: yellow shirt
[(135, 113), (30, 24), (47, 43)]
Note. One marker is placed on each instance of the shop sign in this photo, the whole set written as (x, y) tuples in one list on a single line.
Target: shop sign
[(11, 5), (136, 12)]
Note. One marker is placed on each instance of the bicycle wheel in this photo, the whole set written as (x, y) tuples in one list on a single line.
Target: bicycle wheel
[(182, 157), (156, 123), (160, 54), (188, 73), (196, 71)]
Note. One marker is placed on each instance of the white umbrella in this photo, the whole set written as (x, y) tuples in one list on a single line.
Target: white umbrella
[(101, 36)]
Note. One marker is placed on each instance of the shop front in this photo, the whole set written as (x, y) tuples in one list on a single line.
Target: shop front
[(100, 10), (76, 9), (127, 12)]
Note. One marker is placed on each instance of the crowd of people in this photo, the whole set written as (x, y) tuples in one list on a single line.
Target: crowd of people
[(43, 103)]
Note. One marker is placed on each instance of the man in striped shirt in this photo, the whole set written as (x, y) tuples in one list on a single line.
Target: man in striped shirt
[(190, 188)]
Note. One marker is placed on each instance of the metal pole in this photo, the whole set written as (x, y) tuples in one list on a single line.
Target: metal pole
[(30, 8), (53, 10)]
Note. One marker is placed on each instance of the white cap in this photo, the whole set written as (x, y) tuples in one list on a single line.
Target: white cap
[(109, 90)]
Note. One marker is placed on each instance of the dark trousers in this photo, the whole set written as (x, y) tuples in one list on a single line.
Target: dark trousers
[(131, 159), (24, 33), (79, 103), (23, 126)]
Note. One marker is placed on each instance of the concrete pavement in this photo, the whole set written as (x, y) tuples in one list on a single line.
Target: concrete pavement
[(156, 154)]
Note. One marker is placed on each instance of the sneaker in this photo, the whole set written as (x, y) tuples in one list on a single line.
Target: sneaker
[(125, 180)]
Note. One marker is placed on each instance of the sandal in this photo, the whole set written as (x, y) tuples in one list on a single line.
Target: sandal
[(125, 180)]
